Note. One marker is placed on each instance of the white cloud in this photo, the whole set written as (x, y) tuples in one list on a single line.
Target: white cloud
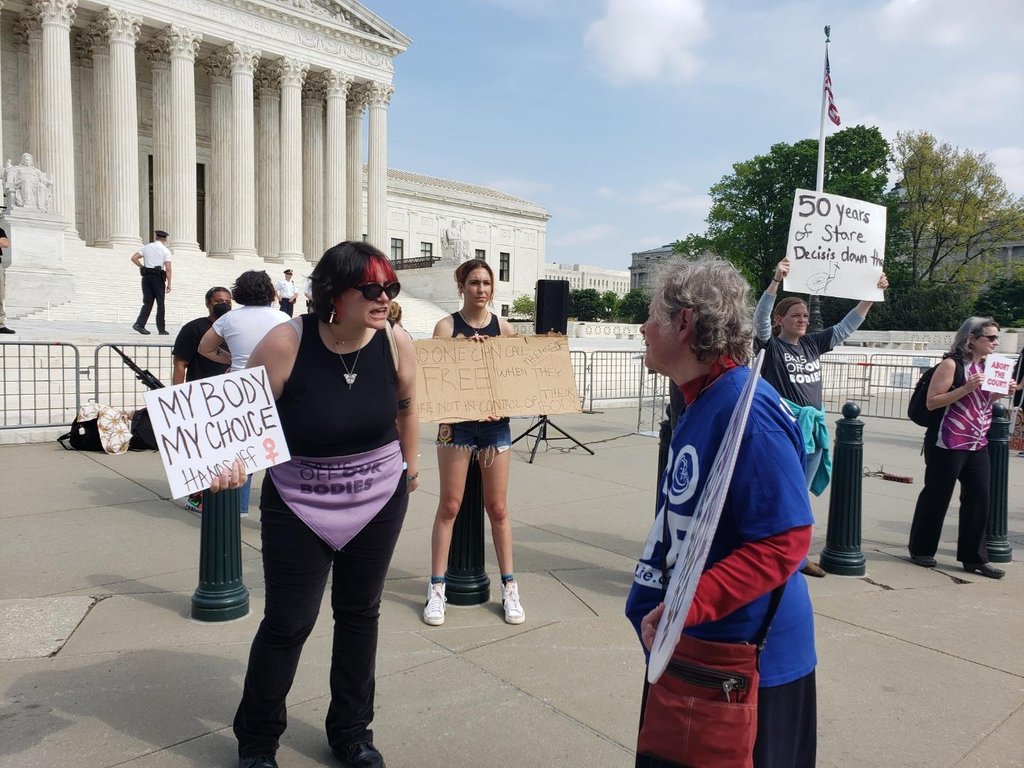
[(583, 236), (946, 23), (642, 40), (669, 195), (606, 192), (1009, 162)]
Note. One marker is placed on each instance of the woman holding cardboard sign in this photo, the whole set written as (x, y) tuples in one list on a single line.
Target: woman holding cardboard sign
[(712, 707), (345, 392), (792, 365), (456, 444), (955, 448)]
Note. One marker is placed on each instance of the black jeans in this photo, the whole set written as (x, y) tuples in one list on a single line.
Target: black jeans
[(296, 563), (288, 306), (153, 289), (942, 469)]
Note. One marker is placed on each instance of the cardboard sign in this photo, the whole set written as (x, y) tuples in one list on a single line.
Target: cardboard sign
[(695, 547), (202, 426), (998, 374), (465, 380), (1017, 430), (836, 246)]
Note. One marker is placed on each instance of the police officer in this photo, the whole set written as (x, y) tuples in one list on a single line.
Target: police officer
[(154, 263)]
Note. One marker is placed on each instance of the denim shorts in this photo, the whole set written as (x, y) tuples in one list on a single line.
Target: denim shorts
[(476, 434)]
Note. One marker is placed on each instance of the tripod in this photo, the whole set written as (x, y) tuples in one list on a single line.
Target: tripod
[(542, 424)]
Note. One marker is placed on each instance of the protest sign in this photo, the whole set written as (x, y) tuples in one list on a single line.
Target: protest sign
[(998, 374), (466, 380), (1017, 433), (202, 426), (836, 246), (694, 548)]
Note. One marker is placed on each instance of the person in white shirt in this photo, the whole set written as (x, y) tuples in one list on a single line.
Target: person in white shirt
[(286, 293), (154, 263)]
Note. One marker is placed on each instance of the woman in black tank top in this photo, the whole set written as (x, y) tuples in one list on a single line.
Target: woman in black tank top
[(347, 408), (456, 444)]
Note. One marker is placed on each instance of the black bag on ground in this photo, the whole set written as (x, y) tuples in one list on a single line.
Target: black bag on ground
[(84, 434), (143, 437), (917, 408)]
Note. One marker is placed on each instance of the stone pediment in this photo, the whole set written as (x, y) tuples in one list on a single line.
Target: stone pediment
[(350, 14)]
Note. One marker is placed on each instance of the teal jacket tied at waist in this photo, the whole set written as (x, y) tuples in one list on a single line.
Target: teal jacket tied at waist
[(812, 426)]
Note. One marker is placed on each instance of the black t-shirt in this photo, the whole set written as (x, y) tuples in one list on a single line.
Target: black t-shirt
[(795, 369), (186, 347)]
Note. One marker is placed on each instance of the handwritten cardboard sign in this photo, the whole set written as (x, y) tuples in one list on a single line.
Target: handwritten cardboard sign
[(202, 426), (1017, 433), (998, 374), (464, 380), (697, 544), (836, 246)]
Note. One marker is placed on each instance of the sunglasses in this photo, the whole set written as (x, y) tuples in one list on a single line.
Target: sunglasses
[(372, 291), (993, 337)]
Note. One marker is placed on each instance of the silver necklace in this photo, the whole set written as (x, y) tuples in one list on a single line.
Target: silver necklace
[(350, 373), (476, 330)]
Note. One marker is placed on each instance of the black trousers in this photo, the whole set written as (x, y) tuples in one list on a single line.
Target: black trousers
[(152, 290), (942, 469), (296, 563), (287, 306), (787, 726)]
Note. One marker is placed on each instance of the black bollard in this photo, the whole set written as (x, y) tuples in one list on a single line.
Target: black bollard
[(221, 595), (997, 541), (466, 581), (842, 554)]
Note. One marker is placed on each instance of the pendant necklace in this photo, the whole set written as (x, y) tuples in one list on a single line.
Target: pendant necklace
[(350, 373), (476, 331)]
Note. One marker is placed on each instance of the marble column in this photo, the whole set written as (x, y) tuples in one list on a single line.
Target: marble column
[(377, 166), (268, 161), (28, 34), (292, 75), (355, 106), (2, 155), (336, 85), (91, 159), (57, 153), (99, 188), (313, 168), (183, 45), (218, 68), (159, 57), (243, 232), (122, 30)]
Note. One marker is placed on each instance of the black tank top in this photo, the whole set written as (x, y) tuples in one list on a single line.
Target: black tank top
[(461, 328)]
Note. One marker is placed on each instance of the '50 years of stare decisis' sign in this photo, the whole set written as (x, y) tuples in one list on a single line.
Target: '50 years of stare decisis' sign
[(202, 426), (836, 246)]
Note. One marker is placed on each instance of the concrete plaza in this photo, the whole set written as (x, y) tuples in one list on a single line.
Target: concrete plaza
[(100, 664)]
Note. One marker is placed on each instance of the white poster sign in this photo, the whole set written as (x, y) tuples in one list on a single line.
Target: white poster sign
[(695, 547), (202, 426), (998, 374), (836, 246)]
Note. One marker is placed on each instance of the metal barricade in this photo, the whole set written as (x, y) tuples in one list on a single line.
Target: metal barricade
[(580, 371), (116, 385), (654, 393), (40, 384), (615, 375)]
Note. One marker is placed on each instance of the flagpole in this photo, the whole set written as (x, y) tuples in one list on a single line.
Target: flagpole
[(814, 303)]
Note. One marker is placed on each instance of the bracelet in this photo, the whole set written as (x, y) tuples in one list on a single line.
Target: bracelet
[(776, 281), (410, 478)]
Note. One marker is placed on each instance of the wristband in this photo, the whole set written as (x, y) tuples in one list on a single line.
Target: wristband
[(776, 281)]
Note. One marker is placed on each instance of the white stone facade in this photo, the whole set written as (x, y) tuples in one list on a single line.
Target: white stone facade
[(582, 276)]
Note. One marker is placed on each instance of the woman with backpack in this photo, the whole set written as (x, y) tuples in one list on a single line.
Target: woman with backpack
[(955, 449)]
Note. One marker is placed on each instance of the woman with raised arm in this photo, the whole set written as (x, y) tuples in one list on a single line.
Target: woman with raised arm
[(457, 442), (345, 390), (792, 365)]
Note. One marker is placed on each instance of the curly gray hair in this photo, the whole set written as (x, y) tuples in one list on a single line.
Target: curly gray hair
[(720, 299), (971, 327)]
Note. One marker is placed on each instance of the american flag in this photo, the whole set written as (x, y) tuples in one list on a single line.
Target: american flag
[(833, 111)]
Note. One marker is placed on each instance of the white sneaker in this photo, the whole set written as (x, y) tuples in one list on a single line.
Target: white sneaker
[(510, 602), (433, 611)]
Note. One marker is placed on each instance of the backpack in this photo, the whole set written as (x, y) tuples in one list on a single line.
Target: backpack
[(143, 438), (917, 408), (98, 428), (85, 432)]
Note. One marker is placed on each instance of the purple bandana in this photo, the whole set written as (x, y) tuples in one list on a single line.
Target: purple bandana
[(336, 496)]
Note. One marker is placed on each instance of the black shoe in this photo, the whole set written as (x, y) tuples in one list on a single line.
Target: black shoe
[(923, 560), (986, 570), (140, 329), (257, 761), (360, 755), (5, 329), (164, 333)]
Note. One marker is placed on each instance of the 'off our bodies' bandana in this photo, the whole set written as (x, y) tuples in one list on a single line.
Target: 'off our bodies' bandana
[(336, 496)]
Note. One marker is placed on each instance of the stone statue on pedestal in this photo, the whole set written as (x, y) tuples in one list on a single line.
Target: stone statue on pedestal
[(27, 186), (454, 243)]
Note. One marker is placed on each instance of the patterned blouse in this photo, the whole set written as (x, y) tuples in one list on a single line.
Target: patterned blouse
[(965, 423)]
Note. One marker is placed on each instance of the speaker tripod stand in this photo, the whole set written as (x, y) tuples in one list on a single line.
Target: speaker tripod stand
[(541, 427)]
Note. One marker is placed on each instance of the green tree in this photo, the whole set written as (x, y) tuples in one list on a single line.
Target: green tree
[(585, 304), (634, 306), (1003, 300), (524, 308), (609, 304), (954, 208)]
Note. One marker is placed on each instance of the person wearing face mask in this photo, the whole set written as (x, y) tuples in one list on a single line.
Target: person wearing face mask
[(189, 365)]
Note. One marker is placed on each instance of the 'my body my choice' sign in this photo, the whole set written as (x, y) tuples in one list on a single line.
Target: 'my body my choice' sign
[(836, 246), (202, 426)]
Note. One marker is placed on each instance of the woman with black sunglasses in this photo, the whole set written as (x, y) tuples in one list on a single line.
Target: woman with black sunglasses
[(345, 392), (956, 449)]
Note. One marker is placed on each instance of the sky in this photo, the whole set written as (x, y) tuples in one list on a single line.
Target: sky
[(617, 116)]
